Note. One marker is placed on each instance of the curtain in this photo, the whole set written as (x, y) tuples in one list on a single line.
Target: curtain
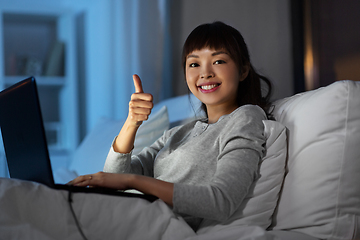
[(142, 46)]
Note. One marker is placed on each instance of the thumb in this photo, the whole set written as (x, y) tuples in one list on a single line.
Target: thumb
[(137, 84)]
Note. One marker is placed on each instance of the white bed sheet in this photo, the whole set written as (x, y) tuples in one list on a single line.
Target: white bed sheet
[(34, 211)]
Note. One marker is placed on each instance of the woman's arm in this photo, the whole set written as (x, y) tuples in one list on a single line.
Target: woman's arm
[(148, 185), (140, 107)]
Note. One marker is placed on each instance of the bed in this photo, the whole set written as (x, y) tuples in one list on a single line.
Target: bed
[(309, 185)]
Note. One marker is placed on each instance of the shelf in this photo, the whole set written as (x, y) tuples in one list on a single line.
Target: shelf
[(40, 80), (43, 45), (31, 45)]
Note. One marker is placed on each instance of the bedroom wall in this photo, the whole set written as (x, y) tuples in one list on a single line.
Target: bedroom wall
[(100, 25), (265, 26)]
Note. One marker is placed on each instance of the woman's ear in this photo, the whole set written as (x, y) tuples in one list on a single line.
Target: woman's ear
[(245, 72)]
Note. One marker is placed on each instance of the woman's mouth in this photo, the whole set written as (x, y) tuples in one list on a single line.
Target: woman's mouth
[(208, 87)]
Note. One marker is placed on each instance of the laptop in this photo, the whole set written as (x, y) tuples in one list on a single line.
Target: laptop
[(25, 142)]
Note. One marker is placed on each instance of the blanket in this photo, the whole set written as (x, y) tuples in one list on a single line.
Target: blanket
[(30, 210)]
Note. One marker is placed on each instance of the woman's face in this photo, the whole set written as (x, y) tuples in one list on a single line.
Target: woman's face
[(213, 77)]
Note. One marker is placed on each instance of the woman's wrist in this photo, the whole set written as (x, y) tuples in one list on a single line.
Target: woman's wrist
[(130, 181), (124, 142)]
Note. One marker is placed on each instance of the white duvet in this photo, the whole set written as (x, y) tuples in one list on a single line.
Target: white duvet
[(33, 211)]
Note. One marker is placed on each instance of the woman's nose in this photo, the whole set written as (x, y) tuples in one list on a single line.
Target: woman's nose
[(207, 73)]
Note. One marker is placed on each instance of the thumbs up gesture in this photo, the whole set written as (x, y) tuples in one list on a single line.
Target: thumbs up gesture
[(141, 103)]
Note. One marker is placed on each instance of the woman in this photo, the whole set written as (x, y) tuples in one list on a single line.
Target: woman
[(202, 169)]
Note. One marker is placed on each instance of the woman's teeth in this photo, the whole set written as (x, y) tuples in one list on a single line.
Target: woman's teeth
[(208, 87)]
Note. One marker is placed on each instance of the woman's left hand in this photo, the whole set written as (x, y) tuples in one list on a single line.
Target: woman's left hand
[(148, 185), (102, 179)]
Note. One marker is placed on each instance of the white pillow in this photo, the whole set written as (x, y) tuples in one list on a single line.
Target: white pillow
[(321, 193), (181, 108), (260, 203), (90, 156)]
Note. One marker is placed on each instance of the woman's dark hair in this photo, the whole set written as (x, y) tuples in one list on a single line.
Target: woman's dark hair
[(217, 36)]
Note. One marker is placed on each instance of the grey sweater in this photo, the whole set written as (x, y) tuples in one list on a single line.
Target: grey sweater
[(212, 166)]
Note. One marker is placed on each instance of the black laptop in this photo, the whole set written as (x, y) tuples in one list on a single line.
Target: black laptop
[(25, 143)]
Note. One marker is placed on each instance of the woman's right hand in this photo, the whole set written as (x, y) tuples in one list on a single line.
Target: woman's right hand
[(140, 107), (141, 103)]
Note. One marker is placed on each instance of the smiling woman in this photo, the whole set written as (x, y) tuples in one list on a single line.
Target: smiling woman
[(205, 168), (226, 46)]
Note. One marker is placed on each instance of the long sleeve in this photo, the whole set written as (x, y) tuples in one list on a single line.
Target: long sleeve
[(212, 166), (240, 147), (142, 164)]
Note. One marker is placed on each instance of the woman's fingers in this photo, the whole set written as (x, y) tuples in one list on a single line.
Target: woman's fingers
[(142, 97), (137, 84), (140, 107), (141, 103), (139, 94), (86, 180), (101, 179), (139, 110), (82, 180)]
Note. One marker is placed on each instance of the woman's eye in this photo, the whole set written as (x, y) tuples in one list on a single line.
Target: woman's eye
[(219, 62), (193, 65)]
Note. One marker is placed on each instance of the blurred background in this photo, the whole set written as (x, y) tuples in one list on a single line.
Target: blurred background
[(83, 52)]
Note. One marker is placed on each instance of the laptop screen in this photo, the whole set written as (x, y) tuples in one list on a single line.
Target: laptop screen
[(23, 133)]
